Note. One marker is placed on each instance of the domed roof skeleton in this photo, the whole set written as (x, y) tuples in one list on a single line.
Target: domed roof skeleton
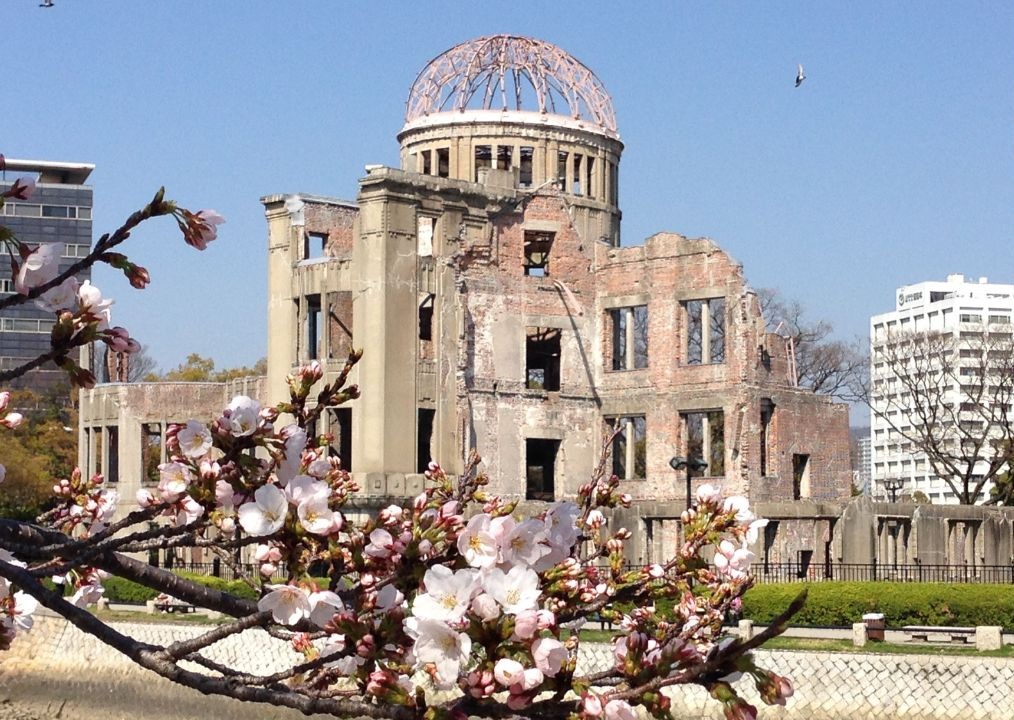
[(471, 75)]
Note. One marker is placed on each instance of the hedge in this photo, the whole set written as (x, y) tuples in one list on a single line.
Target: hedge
[(839, 604), (120, 590)]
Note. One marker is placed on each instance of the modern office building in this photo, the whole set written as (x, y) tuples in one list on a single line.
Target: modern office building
[(939, 372), (59, 211)]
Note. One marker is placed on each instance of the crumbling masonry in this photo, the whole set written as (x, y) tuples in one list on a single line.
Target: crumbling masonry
[(497, 310)]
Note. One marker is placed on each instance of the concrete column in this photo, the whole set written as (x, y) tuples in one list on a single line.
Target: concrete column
[(384, 252), (282, 225), (988, 637), (859, 636)]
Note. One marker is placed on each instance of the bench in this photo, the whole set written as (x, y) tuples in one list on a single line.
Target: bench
[(168, 604), (923, 632)]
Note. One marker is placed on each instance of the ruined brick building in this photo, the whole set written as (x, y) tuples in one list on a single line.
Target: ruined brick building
[(486, 283)]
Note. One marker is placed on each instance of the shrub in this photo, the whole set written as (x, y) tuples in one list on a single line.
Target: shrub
[(120, 590), (838, 604)]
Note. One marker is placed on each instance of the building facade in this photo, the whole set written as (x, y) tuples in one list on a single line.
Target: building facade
[(59, 211), (485, 282), (940, 374)]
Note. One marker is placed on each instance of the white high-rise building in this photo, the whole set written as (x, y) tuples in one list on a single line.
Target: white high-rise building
[(940, 373)]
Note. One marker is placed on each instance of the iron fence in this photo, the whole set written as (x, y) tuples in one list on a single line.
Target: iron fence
[(871, 572), (215, 568)]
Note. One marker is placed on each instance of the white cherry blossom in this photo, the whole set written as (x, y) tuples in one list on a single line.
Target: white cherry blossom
[(516, 590), (41, 266), (447, 594), (438, 644), (243, 415), (549, 655), (477, 544), (288, 604), (323, 605), (266, 514), (316, 517), (194, 439)]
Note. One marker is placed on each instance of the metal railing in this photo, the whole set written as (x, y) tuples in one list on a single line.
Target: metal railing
[(872, 572), (215, 568)]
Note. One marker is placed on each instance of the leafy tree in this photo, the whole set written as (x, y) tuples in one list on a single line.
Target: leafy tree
[(197, 368)]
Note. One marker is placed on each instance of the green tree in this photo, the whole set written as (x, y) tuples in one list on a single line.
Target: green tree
[(197, 368)]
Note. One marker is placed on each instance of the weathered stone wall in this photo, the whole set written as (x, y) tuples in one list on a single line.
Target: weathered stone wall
[(60, 667)]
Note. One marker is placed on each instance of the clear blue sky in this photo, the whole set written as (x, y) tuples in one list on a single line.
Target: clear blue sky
[(892, 163)]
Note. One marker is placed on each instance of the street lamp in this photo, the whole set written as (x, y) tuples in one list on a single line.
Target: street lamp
[(893, 485), (678, 463)]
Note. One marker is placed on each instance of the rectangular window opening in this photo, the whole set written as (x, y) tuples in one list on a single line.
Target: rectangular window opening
[(540, 469), (424, 438), (629, 447), (425, 228), (706, 328), (538, 245), (313, 327), (426, 328), (705, 441), (151, 451), (483, 158), (589, 188), (427, 164), (113, 464), (561, 169), (576, 185), (629, 331), (800, 477), (504, 157), (339, 316), (340, 421), (314, 245), (767, 415), (542, 359), (527, 157), (443, 162)]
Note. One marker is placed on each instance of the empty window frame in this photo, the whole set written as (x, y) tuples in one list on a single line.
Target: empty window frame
[(540, 469), (425, 228), (542, 359), (112, 473), (527, 157), (314, 245), (313, 327), (589, 188), (483, 158), (424, 438), (704, 439), (340, 430), (427, 163), (767, 415), (443, 162), (705, 323), (151, 451), (800, 476), (575, 186), (629, 449), (561, 169), (538, 245), (629, 332), (504, 157), (339, 324), (426, 328)]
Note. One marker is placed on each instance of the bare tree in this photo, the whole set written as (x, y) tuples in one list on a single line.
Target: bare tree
[(947, 396), (824, 365)]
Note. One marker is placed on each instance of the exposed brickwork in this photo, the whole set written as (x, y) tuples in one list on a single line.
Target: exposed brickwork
[(335, 221)]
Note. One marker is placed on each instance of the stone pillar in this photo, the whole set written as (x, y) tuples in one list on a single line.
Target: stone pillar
[(859, 634), (384, 317), (745, 629), (988, 637)]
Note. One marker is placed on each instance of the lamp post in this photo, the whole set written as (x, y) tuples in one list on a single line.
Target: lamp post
[(893, 485), (678, 463)]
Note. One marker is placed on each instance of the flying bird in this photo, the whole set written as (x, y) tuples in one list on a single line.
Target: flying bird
[(800, 75)]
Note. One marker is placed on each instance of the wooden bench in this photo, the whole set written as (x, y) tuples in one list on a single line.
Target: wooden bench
[(923, 632)]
